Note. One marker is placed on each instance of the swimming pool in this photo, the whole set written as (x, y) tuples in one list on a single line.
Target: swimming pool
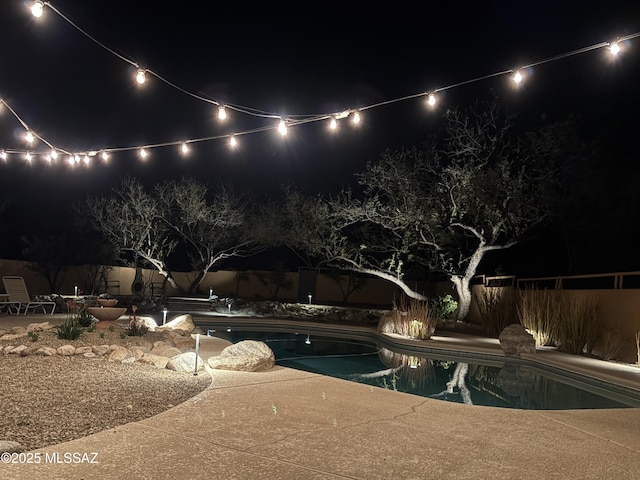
[(461, 379)]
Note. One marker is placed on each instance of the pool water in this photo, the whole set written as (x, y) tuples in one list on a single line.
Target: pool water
[(471, 381)]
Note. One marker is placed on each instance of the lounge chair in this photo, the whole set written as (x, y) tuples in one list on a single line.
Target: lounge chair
[(20, 299)]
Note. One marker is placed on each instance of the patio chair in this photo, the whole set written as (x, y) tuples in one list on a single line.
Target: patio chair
[(19, 296)]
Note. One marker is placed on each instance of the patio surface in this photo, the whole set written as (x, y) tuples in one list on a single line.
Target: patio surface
[(288, 424)]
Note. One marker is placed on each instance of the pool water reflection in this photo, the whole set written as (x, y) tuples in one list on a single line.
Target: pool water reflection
[(462, 380)]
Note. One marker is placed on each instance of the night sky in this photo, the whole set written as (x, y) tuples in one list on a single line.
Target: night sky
[(302, 59)]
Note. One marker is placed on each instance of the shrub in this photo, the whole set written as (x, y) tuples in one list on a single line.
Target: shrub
[(539, 312), (497, 309), (612, 339), (136, 329), (443, 307), (578, 328), (33, 336), (415, 319), (70, 329)]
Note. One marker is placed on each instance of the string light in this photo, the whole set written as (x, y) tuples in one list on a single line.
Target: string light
[(614, 48), (184, 148), (87, 160), (517, 76), (29, 138), (28, 157), (233, 143), (282, 128), (104, 156), (141, 76), (37, 9), (3, 155)]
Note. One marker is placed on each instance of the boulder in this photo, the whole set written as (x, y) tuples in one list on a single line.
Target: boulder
[(386, 324), (246, 356), (148, 322), (13, 336), (181, 322), (83, 350), (185, 362), (18, 331), (100, 349), (178, 340), (18, 350), (7, 446), (39, 327), (46, 351), (66, 350), (28, 351), (514, 340), (120, 354), (155, 360)]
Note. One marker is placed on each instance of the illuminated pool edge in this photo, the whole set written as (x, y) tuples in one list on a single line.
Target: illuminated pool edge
[(614, 391)]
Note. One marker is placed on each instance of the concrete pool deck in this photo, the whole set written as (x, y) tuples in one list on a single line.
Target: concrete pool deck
[(288, 424)]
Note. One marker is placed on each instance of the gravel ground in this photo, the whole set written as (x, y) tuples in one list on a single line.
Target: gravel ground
[(48, 400)]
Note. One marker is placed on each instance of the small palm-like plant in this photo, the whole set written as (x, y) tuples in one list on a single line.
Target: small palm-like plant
[(70, 329)]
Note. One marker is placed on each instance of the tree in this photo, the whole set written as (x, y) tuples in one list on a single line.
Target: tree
[(213, 227), (477, 189), (132, 220)]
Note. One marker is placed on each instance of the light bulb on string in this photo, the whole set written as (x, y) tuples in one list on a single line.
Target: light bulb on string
[(104, 156), (76, 158), (3, 155), (222, 112), (517, 77), (184, 148), (614, 48), (431, 100), (71, 160), (355, 118), (143, 153), (86, 159), (28, 157), (29, 137), (282, 128), (37, 9), (141, 76), (233, 143), (333, 123), (53, 154)]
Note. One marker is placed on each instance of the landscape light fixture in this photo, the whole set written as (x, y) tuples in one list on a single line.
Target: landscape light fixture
[(309, 298), (164, 315), (308, 340), (195, 368)]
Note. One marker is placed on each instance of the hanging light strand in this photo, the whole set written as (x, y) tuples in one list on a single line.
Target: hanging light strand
[(293, 119)]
